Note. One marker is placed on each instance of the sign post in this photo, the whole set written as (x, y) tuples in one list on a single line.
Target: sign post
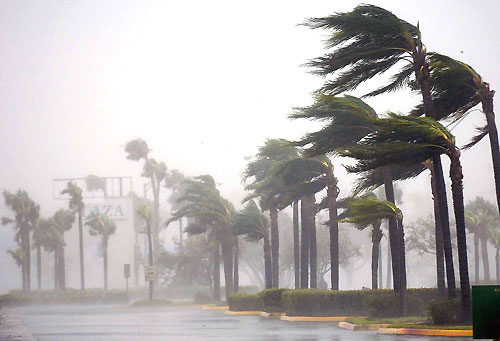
[(126, 273), (150, 276), (486, 311)]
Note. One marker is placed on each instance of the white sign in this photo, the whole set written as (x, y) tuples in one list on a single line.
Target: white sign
[(110, 210)]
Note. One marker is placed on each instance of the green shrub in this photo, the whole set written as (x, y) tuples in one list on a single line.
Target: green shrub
[(244, 302), (445, 311), (272, 300)]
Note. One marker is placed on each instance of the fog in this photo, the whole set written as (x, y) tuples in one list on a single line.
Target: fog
[(204, 83)]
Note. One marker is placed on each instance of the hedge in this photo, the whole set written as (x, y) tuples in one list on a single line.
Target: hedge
[(445, 311), (272, 300), (245, 302), (371, 303)]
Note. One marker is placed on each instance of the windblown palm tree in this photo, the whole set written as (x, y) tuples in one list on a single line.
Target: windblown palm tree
[(38, 239), (174, 181), (211, 214), (102, 225), (77, 205), (155, 171), (259, 178), (26, 213), (62, 221), (406, 139), (251, 223)]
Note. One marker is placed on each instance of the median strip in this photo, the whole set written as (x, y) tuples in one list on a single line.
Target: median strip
[(426, 332)]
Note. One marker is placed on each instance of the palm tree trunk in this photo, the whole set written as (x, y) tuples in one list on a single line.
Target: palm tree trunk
[(458, 205), (275, 245), (39, 266), (227, 259), (486, 260), (497, 264), (393, 227), (445, 224), (476, 258), (296, 248), (268, 268), (82, 262), (438, 232), (236, 270), (332, 193), (376, 237), (56, 270), (23, 263), (216, 261), (181, 235), (389, 262), (62, 269), (380, 270), (105, 258), (304, 244), (156, 222), (402, 269), (151, 259), (28, 260), (487, 102), (313, 251)]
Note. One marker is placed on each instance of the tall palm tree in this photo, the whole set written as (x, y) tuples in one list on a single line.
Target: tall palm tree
[(26, 215), (155, 171), (369, 41), (102, 225), (251, 223), (406, 139), (144, 212), (62, 221), (258, 177), (212, 214), (77, 205), (480, 214), (38, 239)]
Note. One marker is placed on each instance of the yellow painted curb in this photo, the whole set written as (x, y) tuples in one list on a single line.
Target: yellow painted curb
[(351, 326), (313, 318), (215, 308), (425, 332), (271, 315), (242, 313)]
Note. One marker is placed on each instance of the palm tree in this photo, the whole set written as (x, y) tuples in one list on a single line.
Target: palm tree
[(38, 239), (405, 139), (144, 212), (480, 214), (26, 215), (348, 120), (155, 171), (359, 210), (77, 205), (51, 239), (174, 181), (495, 240), (264, 186), (251, 223), (369, 210), (212, 214), (62, 221), (100, 224), (369, 41)]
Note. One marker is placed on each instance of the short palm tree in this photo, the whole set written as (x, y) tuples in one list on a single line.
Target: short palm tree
[(102, 225), (406, 139), (77, 205), (144, 212), (26, 213), (212, 214), (251, 223), (259, 180)]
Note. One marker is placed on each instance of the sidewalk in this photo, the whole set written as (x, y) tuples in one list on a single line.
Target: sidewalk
[(12, 328)]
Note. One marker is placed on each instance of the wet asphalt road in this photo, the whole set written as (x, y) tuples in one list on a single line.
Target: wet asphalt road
[(108, 323)]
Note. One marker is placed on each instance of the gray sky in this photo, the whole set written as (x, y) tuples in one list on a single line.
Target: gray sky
[(203, 82)]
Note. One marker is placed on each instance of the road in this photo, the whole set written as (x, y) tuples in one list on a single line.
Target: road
[(78, 323)]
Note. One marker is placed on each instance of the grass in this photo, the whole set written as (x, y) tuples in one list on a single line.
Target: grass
[(401, 320), (426, 326)]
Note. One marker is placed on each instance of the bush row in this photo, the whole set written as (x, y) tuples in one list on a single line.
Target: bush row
[(269, 300)]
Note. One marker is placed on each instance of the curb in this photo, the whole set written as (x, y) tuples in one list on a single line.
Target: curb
[(242, 313), (271, 315), (357, 327), (313, 318), (215, 308), (425, 332)]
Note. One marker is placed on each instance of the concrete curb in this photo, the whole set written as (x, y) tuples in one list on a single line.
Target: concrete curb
[(243, 313), (12, 328), (425, 332), (356, 327), (271, 315), (314, 318), (215, 308)]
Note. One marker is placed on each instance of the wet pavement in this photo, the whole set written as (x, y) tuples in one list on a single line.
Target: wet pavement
[(54, 323)]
